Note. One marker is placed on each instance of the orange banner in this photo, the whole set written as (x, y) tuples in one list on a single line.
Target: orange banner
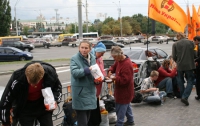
[(169, 13), (190, 30), (198, 30), (195, 21)]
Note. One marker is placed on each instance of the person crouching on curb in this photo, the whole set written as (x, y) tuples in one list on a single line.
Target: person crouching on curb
[(148, 89), (124, 86)]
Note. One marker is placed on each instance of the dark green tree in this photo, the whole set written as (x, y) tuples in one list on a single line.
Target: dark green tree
[(5, 17)]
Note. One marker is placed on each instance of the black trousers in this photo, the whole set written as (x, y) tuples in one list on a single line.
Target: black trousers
[(83, 117), (95, 116), (35, 110), (197, 76)]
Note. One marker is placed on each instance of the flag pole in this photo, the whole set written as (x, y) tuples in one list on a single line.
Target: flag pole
[(147, 38)]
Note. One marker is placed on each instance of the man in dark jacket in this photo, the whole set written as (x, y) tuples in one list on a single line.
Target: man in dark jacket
[(24, 92), (183, 54), (197, 62)]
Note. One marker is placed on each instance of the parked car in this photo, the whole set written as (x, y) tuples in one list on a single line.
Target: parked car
[(109, 44), (14, 54), (130, 40), (140, 38), (155, 39), (67, 40), (41, 43), (19, 45), (138, 55)]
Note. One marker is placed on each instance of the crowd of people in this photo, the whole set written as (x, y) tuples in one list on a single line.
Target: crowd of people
[(23, 91)]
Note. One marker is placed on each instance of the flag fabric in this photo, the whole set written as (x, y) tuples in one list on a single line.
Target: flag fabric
[(198, 29), (169, 13), (195, 21), (190, 29)]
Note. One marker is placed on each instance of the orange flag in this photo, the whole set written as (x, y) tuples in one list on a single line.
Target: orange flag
[(190, 30), (195, 21), (169, 13), (198, 29)]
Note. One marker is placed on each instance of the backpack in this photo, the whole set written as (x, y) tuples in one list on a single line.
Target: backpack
[(138, 97), (70, 118)]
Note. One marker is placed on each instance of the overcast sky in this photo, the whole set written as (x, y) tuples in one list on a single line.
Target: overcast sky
[(30, 9)]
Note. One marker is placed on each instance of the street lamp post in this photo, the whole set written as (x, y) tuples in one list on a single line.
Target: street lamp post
[(40, 20), (120, 19), (16, 17)]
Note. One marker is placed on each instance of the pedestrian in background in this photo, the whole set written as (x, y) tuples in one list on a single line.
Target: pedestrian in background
[(197, 63), (183, 54), (24, 92), (82, 83), (98, 51), (124, 86)]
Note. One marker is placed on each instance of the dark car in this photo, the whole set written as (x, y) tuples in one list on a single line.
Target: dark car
[(109, 44), (67, 40), (19, 45), (138, 55), (14, 54)]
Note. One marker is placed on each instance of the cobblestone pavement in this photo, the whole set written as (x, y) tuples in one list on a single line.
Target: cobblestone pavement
[(172, 113)]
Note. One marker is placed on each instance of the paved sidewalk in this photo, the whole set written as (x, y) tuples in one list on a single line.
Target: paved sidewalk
[(172, 113)]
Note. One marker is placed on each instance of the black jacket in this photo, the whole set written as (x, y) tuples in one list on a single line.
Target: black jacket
[(16, 91)]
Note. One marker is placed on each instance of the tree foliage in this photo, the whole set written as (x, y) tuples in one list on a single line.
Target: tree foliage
[(5, 17), (25, 30)]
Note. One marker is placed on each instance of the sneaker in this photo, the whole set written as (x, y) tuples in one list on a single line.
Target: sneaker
[(185, 101), (129, 124), (197, 97)]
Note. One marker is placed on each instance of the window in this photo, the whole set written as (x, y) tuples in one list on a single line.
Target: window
[(9, 51), (133, 54), (17, 43), (151, 53), (161, 54), (1, 51)]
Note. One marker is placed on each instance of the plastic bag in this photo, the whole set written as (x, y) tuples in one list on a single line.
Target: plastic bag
[(112, 117), (104, 120), (96, 72), (49, 100)]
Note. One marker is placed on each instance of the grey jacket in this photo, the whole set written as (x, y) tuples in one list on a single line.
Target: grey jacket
[(183, 54)]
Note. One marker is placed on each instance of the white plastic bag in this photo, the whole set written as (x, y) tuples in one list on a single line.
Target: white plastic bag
[(112, 117), (104, 120), (96, 72), (49, 100)]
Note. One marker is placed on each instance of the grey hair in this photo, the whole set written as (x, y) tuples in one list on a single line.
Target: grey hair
[(116, 50), (85, 41)]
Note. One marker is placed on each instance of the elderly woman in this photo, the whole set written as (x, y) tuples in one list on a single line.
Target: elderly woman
[(82, 83), (124, 86), (165, 77)]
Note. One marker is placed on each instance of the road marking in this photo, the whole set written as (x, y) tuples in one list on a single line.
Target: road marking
[(66, 83), (61, 67), (63, 71)]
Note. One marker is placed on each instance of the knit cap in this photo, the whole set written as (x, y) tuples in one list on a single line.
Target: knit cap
[(100, 47)]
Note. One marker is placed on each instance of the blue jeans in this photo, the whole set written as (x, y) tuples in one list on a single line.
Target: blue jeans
[(185, 91), (166, 83), (151, 99), (123, 110)]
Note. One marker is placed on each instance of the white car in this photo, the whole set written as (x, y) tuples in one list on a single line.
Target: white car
[(130, 40), (155, 39)]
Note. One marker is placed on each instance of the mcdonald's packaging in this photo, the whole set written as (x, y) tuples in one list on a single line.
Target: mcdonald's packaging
[(49, 100), (96, 73)]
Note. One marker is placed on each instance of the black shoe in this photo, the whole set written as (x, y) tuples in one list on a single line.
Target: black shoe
[(170, 95), (129, 124), (197, 97), (185, 101)]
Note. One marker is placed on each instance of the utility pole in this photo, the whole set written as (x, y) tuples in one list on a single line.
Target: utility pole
[(80, 20), (120, 19), (86, 16), (56, 16), (16, 17)]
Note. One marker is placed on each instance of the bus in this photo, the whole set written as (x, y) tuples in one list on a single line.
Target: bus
[(61, 37), (10, 38), (94, 35)]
